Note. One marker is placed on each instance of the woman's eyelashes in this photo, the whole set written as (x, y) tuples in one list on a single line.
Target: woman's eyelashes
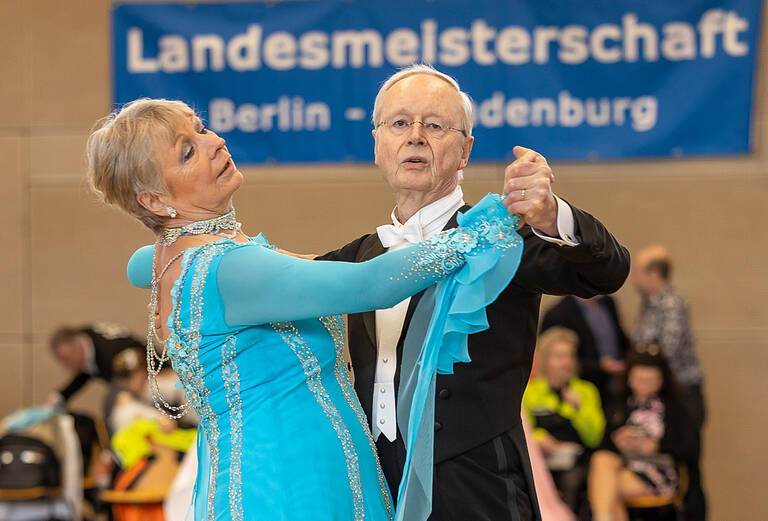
[(190, 151)]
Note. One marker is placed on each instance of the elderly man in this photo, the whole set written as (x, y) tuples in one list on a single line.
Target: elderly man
[(423, 139)]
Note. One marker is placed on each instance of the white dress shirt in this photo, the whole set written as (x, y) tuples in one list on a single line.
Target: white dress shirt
[(389, 322)]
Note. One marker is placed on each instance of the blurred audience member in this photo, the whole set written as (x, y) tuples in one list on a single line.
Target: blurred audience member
[(132, 401), (664, 321), (602, 341), (88, 352), (565, 412), (147, 444), (648, 433)]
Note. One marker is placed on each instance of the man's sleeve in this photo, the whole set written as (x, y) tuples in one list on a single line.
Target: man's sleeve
[(623, 339), (566, 226), (549, 320), (75, 385), (597, 265), (347, 253)]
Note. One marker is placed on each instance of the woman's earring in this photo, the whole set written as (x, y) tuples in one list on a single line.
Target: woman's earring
[(171, 211)]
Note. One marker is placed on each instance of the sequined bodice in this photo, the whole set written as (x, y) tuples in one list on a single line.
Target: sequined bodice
[(295, 400)]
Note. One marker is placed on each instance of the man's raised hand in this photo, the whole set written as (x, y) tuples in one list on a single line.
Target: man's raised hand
[(528, 191)]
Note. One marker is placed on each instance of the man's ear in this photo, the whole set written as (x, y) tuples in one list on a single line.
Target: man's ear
[(375, 148), (153, 202), (466, 149)]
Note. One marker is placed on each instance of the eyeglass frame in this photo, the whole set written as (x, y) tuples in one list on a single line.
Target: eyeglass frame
[(424, 126)]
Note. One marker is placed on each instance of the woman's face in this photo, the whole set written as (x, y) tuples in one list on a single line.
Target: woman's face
[(561, 362), (198, 171), (135, 382), (645, 381)]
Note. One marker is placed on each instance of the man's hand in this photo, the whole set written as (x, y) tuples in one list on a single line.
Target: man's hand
[(611, 365), (527, 186)]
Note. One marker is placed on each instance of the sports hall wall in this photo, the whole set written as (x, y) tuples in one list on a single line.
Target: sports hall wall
[(63, 254)]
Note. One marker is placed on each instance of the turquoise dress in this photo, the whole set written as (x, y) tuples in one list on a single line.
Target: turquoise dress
[(256, 340)]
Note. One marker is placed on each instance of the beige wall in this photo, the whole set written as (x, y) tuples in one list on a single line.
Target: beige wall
[(64, 255)]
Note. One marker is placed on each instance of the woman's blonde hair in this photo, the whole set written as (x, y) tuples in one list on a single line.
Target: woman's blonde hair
[(122, 158), (549, 338)]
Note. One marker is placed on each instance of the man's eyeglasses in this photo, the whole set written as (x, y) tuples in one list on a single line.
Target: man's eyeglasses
[(435, 129)]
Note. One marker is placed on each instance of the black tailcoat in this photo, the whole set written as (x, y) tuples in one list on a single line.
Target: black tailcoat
[(106, 347), (479, 405)]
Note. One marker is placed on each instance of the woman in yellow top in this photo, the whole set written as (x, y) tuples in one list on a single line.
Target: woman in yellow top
[(565, 412)]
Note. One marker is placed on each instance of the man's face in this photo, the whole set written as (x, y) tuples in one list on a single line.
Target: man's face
[(646, 281), (415, 160), (71, 355), (639, 275)]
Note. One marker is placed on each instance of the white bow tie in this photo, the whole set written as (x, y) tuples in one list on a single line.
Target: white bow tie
[(389, 234)]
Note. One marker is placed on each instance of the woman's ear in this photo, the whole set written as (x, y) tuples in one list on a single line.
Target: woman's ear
[(153, 203)]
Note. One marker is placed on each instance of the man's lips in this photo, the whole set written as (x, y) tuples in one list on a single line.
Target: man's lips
[(415, 160)]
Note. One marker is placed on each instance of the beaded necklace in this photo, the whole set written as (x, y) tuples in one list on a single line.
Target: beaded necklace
[(216, 226), (225, 225), (154, 361)]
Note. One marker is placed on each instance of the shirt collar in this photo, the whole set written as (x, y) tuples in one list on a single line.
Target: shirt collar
[(656, 298), (89, 365), (433, 217)]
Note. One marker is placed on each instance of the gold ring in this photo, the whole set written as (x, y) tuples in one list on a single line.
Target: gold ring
[(522, 194)]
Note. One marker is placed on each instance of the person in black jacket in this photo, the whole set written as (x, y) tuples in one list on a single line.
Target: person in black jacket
[(423, 138), (648, 434), (88, 352), (602, 341)]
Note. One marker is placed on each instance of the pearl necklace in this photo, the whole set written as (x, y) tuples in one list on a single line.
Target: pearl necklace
[(155, 361)]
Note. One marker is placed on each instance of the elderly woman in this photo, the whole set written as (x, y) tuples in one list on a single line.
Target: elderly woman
[(253, 333), (565, 412)]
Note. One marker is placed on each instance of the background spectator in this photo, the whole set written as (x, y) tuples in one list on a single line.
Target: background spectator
[(88, 352), (664, 321), (602, 341), (648, 432), (134, 400), (565, 413)]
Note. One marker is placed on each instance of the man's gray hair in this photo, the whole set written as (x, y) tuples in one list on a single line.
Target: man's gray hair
[(421, 68)]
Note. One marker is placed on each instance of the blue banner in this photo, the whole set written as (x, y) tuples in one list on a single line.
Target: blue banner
[(294, 81)]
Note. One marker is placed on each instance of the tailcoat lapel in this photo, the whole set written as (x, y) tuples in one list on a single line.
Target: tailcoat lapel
[(452, 223)]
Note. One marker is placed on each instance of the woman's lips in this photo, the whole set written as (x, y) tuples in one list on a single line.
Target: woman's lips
[(227, 166)]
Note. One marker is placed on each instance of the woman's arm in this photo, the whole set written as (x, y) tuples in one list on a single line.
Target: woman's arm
[(258, 285)]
